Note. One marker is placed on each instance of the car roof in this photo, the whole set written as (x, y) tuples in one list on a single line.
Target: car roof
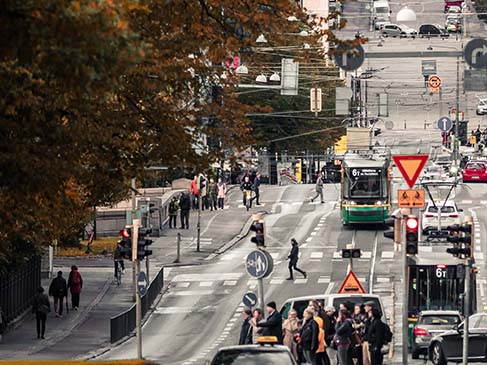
[(325, 296), (255, 348), (447, 203), (440, 312)]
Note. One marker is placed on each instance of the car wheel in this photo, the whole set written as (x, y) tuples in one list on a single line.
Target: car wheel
[(478, 113), (437, 357)]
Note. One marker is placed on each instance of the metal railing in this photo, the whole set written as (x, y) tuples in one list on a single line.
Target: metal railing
[(124, 323), (18, 288)]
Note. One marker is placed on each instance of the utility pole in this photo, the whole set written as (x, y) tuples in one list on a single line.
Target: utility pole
[(198, 225), (134, 212), (138, 306), (457, 120)]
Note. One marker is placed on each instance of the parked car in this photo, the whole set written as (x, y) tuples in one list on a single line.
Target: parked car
[(482, 107), (475, 171), (431, 323), (432, 30), (394, 30), (263, 353), (450, 214), (448, 346)]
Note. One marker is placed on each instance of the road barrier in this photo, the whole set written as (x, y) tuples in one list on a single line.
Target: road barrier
[(124, 323)]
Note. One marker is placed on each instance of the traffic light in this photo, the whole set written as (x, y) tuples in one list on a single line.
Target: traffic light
[(143, 242), (125, 244), (412, 235), (353, 253), (460, 236), (258, 228), (389, 222)]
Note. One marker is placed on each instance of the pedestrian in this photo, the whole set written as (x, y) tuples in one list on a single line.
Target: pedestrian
[(330, 323), (3, 324), (185, 206), (213, 194), (319, 188), (256, 184), (376, 337), (273, 325), (293, 260), (246, 328), (173, 212), (75, 284), (222, 191), (194, 191), (344, 331), (256, 318), (118, 258), (58, 290), (309, 336), (321, 355), (41, 306), (358, 319), (290, 329), (246, 186), (365, 342)]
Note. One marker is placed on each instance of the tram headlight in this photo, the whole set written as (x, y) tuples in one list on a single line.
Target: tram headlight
[(351, 202), (379, 202)]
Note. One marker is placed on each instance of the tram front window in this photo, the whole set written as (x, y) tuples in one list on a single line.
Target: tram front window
[(365, 183)]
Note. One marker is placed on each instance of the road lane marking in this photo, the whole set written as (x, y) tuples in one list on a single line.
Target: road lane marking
[(313, 233), (184, 293), (372, 267), (387, 254), (329, 288), (337, 255), (173, 310), (309, 239), (316, 255), (324, 280), (230, 282), (276, 281), (182, 285), (207, 277), (480, 256), (300, 281), (383, 280)]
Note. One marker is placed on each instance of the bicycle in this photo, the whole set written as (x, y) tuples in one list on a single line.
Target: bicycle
[(118, 275)]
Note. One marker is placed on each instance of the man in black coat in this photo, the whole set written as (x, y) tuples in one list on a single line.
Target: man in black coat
[(273, 325), (376, 338), (58, 290), (293, 260), (185, 206), (246, 329)]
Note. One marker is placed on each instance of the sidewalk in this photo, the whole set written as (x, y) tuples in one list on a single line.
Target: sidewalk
[(82, 332)]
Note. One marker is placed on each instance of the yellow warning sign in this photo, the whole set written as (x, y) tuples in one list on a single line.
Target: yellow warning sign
[(351, 284), (410, 198), (473, 140)]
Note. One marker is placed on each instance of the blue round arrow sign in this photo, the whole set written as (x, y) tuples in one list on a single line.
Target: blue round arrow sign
[(249, 299), (445, 124)]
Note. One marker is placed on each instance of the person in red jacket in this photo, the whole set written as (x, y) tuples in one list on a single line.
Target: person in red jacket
[(194, 190), (75, 284)]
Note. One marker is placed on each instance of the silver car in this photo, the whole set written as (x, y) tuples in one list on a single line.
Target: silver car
[(429, 324), (394, 30)]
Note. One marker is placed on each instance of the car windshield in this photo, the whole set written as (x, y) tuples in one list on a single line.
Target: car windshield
[(445, 209), (439, 320), (255, 357), (475, 166), (356, 300)]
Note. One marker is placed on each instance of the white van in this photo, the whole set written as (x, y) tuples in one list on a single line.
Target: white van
[(381, 13), (301, 303)]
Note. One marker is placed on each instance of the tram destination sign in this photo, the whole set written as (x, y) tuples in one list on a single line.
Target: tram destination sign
[(357, 173)]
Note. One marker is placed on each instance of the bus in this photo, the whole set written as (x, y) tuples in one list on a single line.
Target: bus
[(436, 282), (365, 188)]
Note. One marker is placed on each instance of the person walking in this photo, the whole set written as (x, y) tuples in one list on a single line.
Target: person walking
[(213, 194), (319, 188), (376, 337), (256, 318), (75, 284), (358, 321), (185, 206), (365, 332), (58, 290), (194, 190), (246, 186), (256, 184), (222, 191), (344, 331), (246, 328), (309, 336), (173, 212), (40, 307), (290, 328), (273, 325), (293, 260)]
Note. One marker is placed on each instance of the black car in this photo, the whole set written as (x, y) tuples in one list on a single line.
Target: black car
[(432, 30), (448, 346)]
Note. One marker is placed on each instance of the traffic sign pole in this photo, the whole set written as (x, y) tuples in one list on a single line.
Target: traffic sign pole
[(138, 304)]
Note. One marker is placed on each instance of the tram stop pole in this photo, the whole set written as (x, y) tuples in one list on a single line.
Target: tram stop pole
[(405, 294)]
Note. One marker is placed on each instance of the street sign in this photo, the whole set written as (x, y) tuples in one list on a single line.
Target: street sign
[(410, 198), (351, 284), (434, 83), (259, 264), (445, 124), (249, 299), (410, 166), (142, 283), (315, 99), (428, 67), (473, 140), (476, 53), (349, 58)]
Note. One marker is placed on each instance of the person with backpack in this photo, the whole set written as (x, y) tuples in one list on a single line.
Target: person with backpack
[(58, 290), (41, 306), (75, 284), (173, 212), (377, 337)]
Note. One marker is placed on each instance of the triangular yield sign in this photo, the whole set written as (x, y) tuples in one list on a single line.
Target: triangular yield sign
[(410, 166), (351, 284)]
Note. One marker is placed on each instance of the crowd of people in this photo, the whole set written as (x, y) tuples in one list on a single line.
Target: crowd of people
[(356, 334)]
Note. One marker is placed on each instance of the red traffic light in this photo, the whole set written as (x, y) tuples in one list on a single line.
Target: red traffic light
[(412, 223), (125, 233)]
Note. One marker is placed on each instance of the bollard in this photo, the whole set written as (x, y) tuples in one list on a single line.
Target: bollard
[(178, 248)]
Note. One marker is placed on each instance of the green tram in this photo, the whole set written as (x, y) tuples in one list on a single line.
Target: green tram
[(437, 282), (365, 189)]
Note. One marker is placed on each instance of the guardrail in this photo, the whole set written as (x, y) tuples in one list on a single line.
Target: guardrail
[(124, 323)]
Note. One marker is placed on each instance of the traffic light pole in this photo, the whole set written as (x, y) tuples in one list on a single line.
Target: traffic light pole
[(138, 306), (405, 296), (134, 210), (466, 310), (198, 225)]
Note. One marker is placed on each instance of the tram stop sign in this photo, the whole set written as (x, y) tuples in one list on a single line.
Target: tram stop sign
[(259, 264), (445, 124)]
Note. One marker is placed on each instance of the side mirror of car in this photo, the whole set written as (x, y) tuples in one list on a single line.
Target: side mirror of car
[(460, 210)]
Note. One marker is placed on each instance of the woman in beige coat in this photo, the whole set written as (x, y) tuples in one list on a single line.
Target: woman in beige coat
[(290, 328)]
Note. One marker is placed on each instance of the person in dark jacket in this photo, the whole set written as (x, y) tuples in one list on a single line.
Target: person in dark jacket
[(173, 212), (257, 188), (75, 284), (376, 334), (58, 290), (273, 325), (185, 206), (309, 336), (246, 328), (41, 306), (344, 331), (293, 260), (330, 324), (246, 186)]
